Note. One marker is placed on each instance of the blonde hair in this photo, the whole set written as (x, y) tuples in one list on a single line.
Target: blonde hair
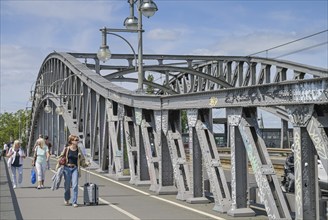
[(40, 143), (16, 142), (71, 138)]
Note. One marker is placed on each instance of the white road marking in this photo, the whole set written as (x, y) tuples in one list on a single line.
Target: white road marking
[(110, 204), (147, 194), (157, 197)]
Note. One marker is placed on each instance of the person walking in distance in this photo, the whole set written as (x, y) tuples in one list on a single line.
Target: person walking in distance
[(46, 138), (15, 161), (42, 156), (74, 161)]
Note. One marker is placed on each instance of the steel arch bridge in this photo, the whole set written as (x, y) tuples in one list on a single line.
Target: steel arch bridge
[(123, 130)]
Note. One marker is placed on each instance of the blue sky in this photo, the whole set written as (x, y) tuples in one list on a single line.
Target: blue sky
[(30, 30)]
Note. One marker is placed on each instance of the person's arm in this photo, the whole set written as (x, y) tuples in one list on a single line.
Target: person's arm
[(289, 161), (10, 153), (48, 155), (23, 154)]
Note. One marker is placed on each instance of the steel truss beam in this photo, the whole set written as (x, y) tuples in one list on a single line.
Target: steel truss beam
[(269, 187), (310, 140), (122, 130), (180, 162), (210, 155)]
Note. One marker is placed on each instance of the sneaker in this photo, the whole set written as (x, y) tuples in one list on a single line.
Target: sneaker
[(75, 205), (14, 186), (66, 202), (42, 186), (39, 187)]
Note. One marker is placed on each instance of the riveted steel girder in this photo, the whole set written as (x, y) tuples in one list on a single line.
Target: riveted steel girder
[(142, 133)]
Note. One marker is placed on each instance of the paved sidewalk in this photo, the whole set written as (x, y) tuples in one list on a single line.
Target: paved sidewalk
[(9, 208), (118, 200)]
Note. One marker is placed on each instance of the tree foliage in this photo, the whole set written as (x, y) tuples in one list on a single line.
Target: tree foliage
[(13, 126), (150, 89)]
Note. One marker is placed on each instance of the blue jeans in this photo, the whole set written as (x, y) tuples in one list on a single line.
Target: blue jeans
[(71, 176), (14, 170)]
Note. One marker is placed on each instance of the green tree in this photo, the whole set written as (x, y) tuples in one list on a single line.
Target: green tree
[(184, 121), (150, 89), (13, 126)]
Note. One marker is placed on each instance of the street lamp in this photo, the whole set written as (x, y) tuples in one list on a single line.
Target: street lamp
[(47, 108), (146, 8)]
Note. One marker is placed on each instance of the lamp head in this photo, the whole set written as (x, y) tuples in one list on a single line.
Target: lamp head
[(104, 53), (131, 23), (47, 109), (60, 110), (148, 8)]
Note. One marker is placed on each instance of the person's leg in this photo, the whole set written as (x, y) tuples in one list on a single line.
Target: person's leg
[(48, 164), (75, 182), (67, 184), (14, 179), (39, 171), (20, 175), (291, 187), (43, 167)]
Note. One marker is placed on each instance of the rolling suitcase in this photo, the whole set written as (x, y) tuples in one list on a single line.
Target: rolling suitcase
[(90, 192)]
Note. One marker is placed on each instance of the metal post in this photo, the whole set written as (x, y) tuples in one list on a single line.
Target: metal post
[(140, 55)]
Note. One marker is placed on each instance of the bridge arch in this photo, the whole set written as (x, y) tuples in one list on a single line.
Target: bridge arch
[(142, 133)]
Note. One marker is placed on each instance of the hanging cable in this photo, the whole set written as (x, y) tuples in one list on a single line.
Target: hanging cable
[(306, 48), (281, 45)]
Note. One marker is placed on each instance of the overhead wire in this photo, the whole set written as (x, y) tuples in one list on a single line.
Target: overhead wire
[(290, 42), (306, 48)]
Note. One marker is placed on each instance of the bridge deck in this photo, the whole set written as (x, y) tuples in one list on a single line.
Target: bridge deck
[(119, 200)]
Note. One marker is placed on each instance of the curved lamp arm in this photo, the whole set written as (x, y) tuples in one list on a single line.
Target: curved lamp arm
[(134, 53)]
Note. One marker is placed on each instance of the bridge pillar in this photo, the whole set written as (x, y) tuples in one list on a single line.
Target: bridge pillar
[(284, 134), (305, 164), (239, 167), (196, 174), (165, 168), (270, 192), (181, 161), (212, 162)]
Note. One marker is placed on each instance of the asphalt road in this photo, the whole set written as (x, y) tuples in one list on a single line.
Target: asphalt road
[(118, 200)]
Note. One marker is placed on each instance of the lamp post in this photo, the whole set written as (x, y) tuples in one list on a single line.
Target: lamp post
[(146, 8)]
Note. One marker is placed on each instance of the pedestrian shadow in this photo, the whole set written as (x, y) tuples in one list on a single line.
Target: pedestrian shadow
[(13, 194), (100, 204)]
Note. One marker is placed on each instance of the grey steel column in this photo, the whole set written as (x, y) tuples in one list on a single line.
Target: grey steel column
[(305, 164), (306, 177), (239, 167), (144, 178), (284, 135), (316, 129), (270, 192), (165, 168), (197, 166)]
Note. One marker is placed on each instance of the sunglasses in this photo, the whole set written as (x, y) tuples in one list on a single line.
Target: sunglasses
[(76, 140)]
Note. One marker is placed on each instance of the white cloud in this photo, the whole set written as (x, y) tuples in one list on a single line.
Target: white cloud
[(165, 35)]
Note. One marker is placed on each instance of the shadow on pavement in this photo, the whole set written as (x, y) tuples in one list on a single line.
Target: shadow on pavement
[(12, 192)]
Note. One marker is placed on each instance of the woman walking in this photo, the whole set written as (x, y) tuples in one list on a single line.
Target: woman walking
[(42, 156), (74, 161), (15, 161)]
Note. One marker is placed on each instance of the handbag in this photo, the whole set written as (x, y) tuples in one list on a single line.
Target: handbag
[(9, 162), (33, 176), (62, 160)]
